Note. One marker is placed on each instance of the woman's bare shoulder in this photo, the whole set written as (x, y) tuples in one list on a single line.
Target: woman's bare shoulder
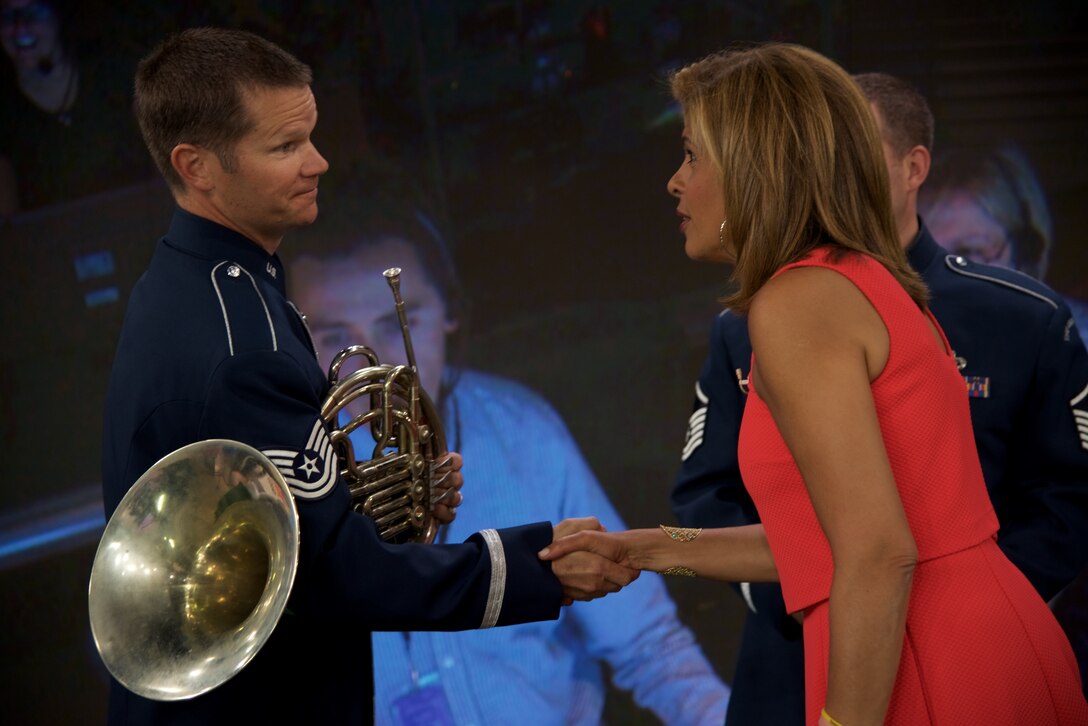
[(805, 295), (809, 315), (808, 307)]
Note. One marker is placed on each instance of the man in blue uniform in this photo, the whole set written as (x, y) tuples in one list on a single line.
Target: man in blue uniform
[(211, 348), (1026, 372)]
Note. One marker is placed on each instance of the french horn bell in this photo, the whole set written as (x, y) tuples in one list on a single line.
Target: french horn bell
[(193, 570)]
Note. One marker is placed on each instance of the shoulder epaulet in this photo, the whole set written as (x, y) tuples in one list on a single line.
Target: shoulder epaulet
[(246, 320), (1004, 277), (731, 327)]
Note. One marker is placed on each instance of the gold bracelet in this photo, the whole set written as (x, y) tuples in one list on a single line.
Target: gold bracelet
[(681, 534), (825, 714)]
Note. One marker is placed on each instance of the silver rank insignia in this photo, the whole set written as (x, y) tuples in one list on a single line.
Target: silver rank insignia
[(1080, 416), (311, 471), (696, 424)]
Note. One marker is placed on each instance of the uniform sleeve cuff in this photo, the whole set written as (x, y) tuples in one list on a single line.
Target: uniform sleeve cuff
[(523, 588)]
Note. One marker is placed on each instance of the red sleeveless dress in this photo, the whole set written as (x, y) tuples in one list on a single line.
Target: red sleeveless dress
[(981, 646)]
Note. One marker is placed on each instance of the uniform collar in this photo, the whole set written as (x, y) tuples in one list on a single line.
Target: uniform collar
[(212, 241), (924, 249)]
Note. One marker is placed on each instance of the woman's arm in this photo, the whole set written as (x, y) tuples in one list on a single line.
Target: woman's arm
[(732, 554), (818, 345)]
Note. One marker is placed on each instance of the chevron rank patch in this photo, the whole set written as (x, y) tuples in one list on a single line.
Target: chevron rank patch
[(311, 471), (1080, 416), (696, 424)]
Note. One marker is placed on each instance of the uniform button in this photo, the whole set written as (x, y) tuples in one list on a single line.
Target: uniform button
[(234, 271), (960, 261)]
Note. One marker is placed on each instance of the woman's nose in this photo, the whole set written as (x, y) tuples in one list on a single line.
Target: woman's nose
[(673, 185)]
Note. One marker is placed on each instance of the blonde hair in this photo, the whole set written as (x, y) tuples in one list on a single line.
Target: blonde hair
[(798, 152)]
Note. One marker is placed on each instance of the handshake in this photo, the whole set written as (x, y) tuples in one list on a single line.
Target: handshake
[(589, 562)]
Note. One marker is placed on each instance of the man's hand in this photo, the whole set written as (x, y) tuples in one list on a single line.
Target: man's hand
[(585, 575), (446, 485)]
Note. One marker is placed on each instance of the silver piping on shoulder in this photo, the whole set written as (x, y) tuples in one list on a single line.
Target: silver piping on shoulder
[(223, 306)]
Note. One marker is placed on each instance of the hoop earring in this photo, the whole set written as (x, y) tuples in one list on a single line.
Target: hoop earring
[(721, 233)]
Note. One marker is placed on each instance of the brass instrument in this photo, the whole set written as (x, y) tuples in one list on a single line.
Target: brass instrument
[(193, 570), (195, 566), (408, 461)]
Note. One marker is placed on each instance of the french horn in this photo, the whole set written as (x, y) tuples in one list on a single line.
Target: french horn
[(195, 566), (399, 485)]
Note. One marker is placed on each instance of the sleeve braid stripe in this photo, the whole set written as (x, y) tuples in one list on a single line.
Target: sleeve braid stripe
[(497, 591)]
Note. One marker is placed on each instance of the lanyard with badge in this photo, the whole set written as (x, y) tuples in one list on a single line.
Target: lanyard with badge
[(425, 702)]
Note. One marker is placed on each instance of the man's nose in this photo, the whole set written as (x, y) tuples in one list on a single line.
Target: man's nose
[(317, 164)]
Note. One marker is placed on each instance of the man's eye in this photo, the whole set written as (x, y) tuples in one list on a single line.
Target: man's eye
[(331, 341), (389, 328)]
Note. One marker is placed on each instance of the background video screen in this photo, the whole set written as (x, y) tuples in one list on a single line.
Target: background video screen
[(541, 133)]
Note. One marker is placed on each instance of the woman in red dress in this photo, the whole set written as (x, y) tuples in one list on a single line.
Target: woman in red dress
[(856, 442)]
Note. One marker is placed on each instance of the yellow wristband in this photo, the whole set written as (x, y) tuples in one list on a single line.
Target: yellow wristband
[(826, 715)]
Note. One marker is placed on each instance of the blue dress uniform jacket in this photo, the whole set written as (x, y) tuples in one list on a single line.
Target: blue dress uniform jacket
[(1026, 372), (211, 348)]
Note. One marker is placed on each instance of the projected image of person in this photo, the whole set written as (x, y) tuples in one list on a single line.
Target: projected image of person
[(1022, 370), (989, 206), (856, 443), (67, 112), (519, 461)]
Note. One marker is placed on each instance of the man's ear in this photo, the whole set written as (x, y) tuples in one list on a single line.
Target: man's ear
[(918, 161), (193, 165)]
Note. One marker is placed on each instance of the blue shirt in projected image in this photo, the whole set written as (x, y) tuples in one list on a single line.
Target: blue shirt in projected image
[(521, 464)]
